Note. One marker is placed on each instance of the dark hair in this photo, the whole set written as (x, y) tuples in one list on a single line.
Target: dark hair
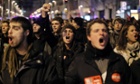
[(68, 26), (122, 41), (79, 21), (73, 42), (5, 21), (88, 30), (26, 25), (59, 19), (120, 20)]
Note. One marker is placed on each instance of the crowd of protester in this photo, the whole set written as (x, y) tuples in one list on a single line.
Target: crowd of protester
[(58, 51)]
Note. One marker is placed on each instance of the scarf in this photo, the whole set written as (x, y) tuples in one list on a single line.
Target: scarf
[(133, 48)]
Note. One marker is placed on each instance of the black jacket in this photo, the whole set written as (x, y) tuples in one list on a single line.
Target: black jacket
[(81, 35), (84, 68), (62, 64), (48, 35), (135, 67), (39, 69)]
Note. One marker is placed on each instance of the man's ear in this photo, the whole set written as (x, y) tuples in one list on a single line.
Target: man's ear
[(27, 32), (88, 37)]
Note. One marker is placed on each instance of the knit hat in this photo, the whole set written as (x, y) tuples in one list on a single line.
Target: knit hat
[(40, 24), (69, 26), (79, 21)]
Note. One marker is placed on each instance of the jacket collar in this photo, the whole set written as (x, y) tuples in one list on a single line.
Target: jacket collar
[(92, 53), (37, 61)]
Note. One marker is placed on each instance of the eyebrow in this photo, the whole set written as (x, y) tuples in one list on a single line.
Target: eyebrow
[(15, 26)]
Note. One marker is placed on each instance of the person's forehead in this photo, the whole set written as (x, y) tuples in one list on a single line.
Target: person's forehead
[(131, 27), (4, 23), (15, 24), (98, 26), (35, 24), (68, 29), (117, 21), (55, 21)]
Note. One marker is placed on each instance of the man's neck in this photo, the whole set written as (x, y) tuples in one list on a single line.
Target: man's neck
[(22, 50)]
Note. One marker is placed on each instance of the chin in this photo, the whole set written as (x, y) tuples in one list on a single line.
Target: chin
[(67, 43), (101, 47), (12, 46)]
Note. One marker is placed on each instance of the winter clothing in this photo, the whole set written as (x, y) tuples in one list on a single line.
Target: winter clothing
[(131, 53), (64, 57), (135, 68), (114, 36), (49, 37), (81, 35), (85, 69), (81, 31), (37, 69)]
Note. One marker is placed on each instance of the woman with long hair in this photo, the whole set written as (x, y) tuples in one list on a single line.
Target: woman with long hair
[(65, 51), (128, 45)]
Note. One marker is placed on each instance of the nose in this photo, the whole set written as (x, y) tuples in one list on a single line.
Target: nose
[(101, 32), (34, 27), (53, 26), (9, 31), (67, 33)]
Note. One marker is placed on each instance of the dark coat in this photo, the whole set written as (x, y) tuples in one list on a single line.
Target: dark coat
[(39, 69), (84, 68), (48, 35), (62, 64), (114, 38), (81, 35), (135, 68)]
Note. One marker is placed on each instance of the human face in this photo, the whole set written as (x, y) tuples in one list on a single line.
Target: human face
[(46, 7), (56, 26), (67, 35), (98, 36), (132, 34), (17, 36), (5, 28), (36, 28), (117, 26)]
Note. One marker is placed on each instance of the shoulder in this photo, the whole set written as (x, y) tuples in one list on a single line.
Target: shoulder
[(119, 57), (79, 59)]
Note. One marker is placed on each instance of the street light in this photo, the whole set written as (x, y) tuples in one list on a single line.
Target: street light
[(54, 2), (9, 4), (12, 8)]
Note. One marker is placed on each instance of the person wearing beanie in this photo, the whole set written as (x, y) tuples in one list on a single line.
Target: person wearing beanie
[(78, 23), (37, 29), (44, 22), (40, 38), (65, 51)]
